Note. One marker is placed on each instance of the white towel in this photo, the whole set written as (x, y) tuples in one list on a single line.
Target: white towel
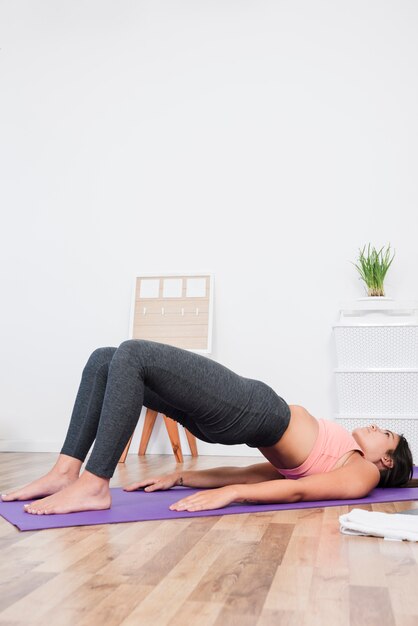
[(388, 525)]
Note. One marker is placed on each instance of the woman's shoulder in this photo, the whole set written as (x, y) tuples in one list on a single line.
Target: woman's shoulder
[(358, 463)]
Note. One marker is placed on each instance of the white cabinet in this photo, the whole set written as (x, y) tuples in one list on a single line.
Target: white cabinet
[(376, 343)]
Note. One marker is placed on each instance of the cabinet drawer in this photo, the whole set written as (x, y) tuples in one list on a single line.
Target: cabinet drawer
[(377, 393), (379, 346)]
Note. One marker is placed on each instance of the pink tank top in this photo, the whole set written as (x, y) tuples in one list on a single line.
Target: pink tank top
[(332, 443)]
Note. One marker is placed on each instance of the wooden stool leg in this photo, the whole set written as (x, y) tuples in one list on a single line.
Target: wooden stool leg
[(192, 442), (149, 422), (173, 433), (125, 452)]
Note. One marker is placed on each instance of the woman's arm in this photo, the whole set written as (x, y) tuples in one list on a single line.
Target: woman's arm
[(210, 478), (354, 480), (351, 481), (223, 476)]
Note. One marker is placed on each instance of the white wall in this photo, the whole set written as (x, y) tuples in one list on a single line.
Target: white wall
[(262, 140)]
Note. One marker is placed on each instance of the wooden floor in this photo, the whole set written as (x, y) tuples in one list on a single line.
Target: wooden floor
[(278, 568)]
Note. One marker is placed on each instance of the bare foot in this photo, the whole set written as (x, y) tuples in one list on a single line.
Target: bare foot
[(88, 493), (44, 486)]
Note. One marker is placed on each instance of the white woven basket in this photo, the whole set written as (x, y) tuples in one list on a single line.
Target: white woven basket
[(377, 346), (377, 392)]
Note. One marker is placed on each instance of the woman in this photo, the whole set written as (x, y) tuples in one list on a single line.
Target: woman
[(217, 406)]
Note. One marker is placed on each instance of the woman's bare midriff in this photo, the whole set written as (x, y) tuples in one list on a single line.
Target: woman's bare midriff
[(303, 429)]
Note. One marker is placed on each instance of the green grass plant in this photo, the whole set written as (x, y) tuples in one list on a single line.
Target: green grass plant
[(372, 266)]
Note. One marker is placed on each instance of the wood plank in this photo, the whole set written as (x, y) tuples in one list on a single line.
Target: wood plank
[(290, 589), (224, 573), (365, 562), (281, 618), (187, 343), (154, 570), (370, 606), (131, 560), (192, 612), (328, 597), (171, 329), (19, 584), (115, 606), (166, 600), (172, 305), (36, 603)]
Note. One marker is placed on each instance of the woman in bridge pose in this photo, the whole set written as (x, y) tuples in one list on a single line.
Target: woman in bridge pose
[(307, 458)]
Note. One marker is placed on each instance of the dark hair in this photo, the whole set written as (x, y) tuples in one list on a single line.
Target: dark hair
[(401, 472)]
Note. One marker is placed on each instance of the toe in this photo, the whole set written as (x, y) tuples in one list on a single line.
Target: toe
[(32, 509), (7, 497)]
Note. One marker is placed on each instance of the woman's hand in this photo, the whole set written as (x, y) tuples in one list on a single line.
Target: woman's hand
[(206, 500), (156, 483)]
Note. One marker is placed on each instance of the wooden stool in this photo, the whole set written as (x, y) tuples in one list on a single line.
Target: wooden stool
[(173, 433)]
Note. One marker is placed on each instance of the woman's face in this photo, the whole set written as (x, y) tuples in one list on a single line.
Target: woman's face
[(375, 443)]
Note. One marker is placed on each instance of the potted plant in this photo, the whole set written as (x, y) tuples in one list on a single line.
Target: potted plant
[(373, 266)]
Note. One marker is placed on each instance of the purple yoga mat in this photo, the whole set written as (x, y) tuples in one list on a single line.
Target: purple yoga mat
[(138, 506)]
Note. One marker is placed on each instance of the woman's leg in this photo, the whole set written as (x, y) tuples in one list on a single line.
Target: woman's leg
[(144, 373), (88, 404), (209, 399), (94, 485), (113, 419), (81, 431), (205, 392)]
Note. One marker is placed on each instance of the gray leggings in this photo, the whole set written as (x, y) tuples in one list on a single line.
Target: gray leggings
[(211, 401)]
